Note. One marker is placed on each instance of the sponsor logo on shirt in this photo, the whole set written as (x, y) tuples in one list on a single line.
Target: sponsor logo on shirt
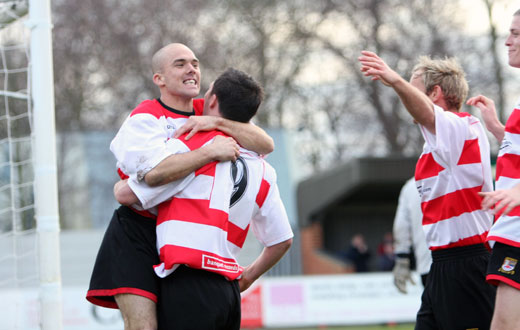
[(505, 145), (508, 267), (423, 190), (209, 262)]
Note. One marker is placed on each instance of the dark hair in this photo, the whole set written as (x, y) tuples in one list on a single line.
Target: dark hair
[(238, 95)]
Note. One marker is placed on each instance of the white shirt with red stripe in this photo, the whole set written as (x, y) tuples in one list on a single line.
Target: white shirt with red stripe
[(507, 227), (198, 227), (454, 166), (140, 143)]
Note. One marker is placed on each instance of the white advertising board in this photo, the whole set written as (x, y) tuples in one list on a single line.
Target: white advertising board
[(20, 310), (368, 298)]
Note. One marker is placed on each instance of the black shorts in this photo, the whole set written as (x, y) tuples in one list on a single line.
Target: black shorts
[(456, 295), (503, 266), (197, 299), (125, 260)]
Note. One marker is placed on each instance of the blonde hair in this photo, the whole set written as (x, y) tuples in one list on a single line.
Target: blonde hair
[(448, 75)]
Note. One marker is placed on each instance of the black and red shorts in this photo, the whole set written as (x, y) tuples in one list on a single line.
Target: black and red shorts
[(125, 260), (504, 266)]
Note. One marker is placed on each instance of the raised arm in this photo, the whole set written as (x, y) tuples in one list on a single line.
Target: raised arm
[(247, 135), (489, 115), (416, 102)]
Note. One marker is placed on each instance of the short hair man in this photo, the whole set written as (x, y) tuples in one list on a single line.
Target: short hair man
[(123, 276), (504, 236), (453, 168), (203, 227)]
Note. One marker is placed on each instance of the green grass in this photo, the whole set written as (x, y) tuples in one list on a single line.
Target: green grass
[(368, 327), (359, 327)]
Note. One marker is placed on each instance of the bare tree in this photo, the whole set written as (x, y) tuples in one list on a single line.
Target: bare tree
[(497, 65), (303, 52)]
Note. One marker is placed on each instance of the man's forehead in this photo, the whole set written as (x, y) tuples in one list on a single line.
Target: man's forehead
[(417, 74), (180, 53), (183, 58), (515, 23)]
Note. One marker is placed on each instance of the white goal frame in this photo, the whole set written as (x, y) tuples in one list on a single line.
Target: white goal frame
[(44, 156), (45, 168)]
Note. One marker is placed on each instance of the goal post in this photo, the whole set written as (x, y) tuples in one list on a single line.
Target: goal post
[(45, 168), (29, 216)]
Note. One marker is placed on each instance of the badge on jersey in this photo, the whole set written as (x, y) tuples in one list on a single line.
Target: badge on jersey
[(508, 266)]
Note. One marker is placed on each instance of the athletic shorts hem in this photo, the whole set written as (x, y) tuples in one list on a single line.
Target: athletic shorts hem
[(99, 297), (494, 279), (499, 239)]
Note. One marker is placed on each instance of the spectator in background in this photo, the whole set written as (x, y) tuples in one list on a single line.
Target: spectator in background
[(408, 237), (357, 253), (385, 253)]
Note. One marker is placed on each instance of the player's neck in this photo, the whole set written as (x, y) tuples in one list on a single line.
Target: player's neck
[(443, 104), (178, 103)]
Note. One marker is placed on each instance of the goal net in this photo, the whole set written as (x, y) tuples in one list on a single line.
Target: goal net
[(22, 240), (18, 243)]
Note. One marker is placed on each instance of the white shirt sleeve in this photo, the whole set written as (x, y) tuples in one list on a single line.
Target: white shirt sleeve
[(449, 138), (140, 144), (152, 196), (270, 223), (403, 222)]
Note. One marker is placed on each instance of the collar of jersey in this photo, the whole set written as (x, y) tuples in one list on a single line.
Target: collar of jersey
[(184, 113)]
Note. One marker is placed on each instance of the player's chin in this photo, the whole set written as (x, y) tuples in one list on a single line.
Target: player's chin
[(193, 92)]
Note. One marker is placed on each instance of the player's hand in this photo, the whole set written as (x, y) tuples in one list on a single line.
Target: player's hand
[(373, 66), (486, 106), (503, 200), (402, 274), (195, 124), (244, 282), (224, 149)]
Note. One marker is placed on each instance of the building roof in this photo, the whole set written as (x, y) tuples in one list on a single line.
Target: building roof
[(360, 178)]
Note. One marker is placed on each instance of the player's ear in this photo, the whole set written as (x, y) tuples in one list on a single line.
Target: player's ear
[(213, 102), (436, 93), (158, 79)]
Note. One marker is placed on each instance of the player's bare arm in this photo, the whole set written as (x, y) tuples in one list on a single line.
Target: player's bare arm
[(124, 194), (178, 166), (503, 199), (489, 115), (416, 102), (267, 259), (248, 135)]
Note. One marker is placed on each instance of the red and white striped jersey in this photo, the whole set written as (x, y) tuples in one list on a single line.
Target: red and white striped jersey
[(507, 227), (140, 143), (454, 166), (205, 224)]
